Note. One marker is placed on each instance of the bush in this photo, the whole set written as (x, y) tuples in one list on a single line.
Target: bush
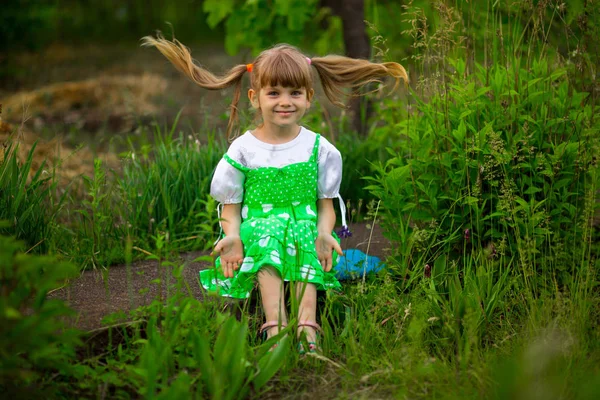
[(33, 340), (358, 153), (504, 162)]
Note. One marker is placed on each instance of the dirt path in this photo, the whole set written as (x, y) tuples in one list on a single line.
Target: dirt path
[(93, 298)]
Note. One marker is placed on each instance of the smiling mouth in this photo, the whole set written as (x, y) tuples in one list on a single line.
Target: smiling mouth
[(284, 112)]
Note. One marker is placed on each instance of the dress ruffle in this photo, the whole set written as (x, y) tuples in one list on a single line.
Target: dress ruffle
[(286, 245)]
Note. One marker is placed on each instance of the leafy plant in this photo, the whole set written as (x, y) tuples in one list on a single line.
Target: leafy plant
[(33, 339), (490, 166), (255, 23), (181, 347), (99, 235)]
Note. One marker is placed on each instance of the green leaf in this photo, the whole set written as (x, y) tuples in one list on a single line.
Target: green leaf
[(217, 10), (532, 82), (470, 200), (398, 174), (202, 354), (11, 313), (482, 91), (271, 362), (533, 96), (461, 131), (465, 114), (510, 92), (575, 9), (562, 183), (221, 345), (439, 267), (532, 190), (558, 73), (524, 205), (408, 207), (282, 7)]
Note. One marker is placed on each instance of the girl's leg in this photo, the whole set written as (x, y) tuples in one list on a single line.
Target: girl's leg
[(271, 293), (307, 309)]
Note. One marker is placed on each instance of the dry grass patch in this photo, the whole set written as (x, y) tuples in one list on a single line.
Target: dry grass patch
[(68, 163), (88, 104)]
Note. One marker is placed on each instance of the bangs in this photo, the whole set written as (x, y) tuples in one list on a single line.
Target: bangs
[(285, 70)]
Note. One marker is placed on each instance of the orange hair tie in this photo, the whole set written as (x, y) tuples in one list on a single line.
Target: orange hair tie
[(249, 67)]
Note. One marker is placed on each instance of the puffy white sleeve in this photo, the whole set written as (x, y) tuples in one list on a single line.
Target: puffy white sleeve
[(227, 185), (330, 170)]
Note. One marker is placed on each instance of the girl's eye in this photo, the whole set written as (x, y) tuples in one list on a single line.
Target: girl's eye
[(296, 93), (272, 93)]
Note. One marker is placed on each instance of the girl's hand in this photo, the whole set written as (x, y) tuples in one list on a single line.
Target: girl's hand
[(231, 250), (325, 244)]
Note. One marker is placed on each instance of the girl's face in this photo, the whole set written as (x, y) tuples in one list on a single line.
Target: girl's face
[(281, 107)]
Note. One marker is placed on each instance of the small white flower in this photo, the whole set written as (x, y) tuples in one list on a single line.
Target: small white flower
[(407, 311)]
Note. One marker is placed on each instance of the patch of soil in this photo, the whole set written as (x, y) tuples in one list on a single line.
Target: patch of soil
[(93, 296)]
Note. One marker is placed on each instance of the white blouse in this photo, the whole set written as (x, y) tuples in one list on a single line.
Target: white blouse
[(227, 185)]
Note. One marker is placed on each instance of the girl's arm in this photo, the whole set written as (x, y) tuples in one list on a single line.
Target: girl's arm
[(326, 216), (231, 219), (230, 247), (325, 242)]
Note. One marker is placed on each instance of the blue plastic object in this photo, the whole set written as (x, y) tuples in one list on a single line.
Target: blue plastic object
[(352, 264)]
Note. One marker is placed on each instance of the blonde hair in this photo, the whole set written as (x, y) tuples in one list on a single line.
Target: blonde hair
[(281, 65)]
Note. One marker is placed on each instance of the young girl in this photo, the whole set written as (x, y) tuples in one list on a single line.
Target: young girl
[(276, 183)]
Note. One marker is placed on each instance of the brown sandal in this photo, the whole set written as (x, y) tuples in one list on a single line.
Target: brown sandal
[(312, 346), (268, 325)]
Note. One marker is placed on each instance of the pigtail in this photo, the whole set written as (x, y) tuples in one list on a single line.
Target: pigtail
[(180, 56), (233, 113), (338, 72)]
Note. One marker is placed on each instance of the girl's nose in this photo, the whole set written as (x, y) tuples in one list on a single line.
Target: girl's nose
[(285, 100)]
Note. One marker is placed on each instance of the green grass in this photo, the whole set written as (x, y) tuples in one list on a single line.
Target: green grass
[(379, 341), (160, 188)]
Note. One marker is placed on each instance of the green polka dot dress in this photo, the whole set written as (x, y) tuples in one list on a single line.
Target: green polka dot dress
[(278, 229)]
